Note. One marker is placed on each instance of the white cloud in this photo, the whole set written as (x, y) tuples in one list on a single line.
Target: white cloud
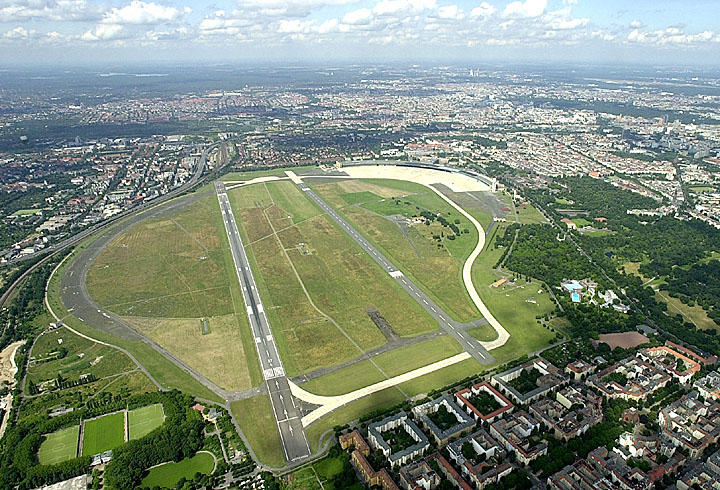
[(55, 10), (564, 24), (450, 12), (16, 34), (392, 6), (139, 12), (103, 32), (528, 8), (361, 16), (671, 36), (484, 10)]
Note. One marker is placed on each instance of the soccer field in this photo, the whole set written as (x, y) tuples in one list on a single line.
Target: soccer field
[(103, 433), (142, 421), (59, 446)]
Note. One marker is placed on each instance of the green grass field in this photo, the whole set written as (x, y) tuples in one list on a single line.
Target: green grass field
[(168, 474), (62, 352), (165, 372), (26, 212), (305, 479), (353, 411), (59, 446), (255, 418), (166, 267), (142, 421), (581, 222), (436, 269), (101, 434), (312, 245)]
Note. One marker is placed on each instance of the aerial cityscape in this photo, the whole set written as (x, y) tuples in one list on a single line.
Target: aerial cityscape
[(337, 244)]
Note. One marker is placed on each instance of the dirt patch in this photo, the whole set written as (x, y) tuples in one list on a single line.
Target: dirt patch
[(626, 340), (381, 323)]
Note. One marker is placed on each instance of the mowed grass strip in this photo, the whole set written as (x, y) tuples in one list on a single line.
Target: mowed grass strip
[(167, 475), (59, 446), (345, 380), (101, 434), (406, 359), (290, 198), (142, 421), (255, 418), (359, 197)]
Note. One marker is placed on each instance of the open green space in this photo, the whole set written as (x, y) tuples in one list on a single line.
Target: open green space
[(442, 377), (693, 314), (304, 479), (168, 267), (359, 197), (26, 212), (142, 421), (167, 374), (404, 359), (345, 380), (59, 446), (483, 333), (168, 474), (62, 353), (514, 305), (424, 252), (255, 418), (297, 262), (103, 433), (702, 188), (581, 222)]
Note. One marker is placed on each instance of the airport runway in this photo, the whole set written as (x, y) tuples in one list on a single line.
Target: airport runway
[(287, 414), (447, 324)]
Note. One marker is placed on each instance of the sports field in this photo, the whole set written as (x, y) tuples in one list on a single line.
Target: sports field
[(59, 446), (168, 474), (305, 268), (101, 434), (142, 421), (424, 252)]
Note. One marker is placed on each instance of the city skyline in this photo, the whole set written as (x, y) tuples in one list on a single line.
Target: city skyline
[(672, 33)]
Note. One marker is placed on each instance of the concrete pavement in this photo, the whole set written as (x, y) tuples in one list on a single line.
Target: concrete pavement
[(286, 412)]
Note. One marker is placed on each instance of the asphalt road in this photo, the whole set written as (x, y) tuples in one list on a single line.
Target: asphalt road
[(447, 324), (287, 414)]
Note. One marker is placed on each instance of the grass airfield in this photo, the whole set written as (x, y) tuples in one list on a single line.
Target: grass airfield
[(165, 276)]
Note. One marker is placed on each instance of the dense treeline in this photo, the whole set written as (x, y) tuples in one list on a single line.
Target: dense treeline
[(27, 304), (663, 244), (538, 253), (699, 284), (181, 436)]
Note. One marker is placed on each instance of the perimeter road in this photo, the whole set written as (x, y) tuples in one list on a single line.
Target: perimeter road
[(447, 324), (287, 415)]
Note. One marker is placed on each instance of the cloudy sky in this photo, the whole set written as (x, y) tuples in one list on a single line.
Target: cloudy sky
[(645, 31)]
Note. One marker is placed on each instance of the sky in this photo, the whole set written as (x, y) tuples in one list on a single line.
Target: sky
[(658, 32)]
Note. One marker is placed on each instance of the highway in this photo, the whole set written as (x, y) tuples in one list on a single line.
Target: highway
[(447, 324), (287, 415)]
